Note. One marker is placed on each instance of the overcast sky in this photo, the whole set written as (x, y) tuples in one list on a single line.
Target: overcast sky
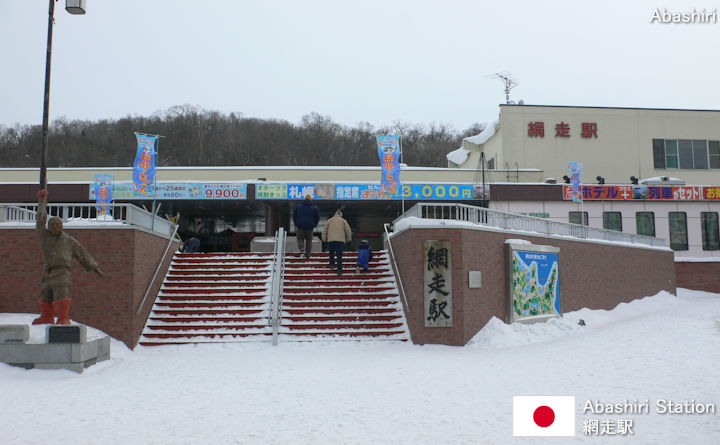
[(376, 61)]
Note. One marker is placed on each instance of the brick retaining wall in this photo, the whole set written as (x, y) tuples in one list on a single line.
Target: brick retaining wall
[(593, 275), (128, 256)]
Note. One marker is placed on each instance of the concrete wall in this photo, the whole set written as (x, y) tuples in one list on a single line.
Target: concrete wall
[(593, 275), (624, 140), (129, 258)]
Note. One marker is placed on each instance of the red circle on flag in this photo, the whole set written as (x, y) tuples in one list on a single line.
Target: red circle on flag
[(544, 416)]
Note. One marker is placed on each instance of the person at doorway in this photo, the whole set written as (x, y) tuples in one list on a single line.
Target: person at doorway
[(306, 217), (59, 249), (364, 256), (190, 246), (336, 233)]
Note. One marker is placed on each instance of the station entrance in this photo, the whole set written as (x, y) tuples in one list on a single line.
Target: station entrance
[(230, 225)]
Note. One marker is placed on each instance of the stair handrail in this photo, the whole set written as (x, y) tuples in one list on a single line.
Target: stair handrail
[(396, 270), (276, 280), (157, 270)]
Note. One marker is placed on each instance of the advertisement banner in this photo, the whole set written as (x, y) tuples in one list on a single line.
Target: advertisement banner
[(364, 191), (144, 165), (180, 191), (575, 170), (103, 191), (654, 193), (389, 154)]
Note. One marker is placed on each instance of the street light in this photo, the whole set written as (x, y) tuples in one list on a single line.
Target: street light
[(73, 7)]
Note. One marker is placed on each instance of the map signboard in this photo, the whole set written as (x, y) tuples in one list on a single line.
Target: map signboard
[(533, 282)]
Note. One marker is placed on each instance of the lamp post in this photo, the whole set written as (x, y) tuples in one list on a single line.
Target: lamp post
[(73, 7)]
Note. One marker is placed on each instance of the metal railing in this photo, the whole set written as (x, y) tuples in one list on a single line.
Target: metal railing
[(397, 271), (157, 270), (72, 212), (504, 220), (276, 283)]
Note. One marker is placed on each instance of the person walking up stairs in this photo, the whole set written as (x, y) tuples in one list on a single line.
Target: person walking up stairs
[(336, 233)]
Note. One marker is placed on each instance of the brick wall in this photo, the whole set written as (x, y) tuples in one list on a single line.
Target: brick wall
[(128, 257), (703, 276), (593, 275)]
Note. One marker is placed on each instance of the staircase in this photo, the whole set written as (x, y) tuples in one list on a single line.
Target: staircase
[(212, 298), (318, 303), (225, 297)]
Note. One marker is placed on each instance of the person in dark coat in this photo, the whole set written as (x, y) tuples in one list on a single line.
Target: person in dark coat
[(306, 217), (190, 246), (364, 256)]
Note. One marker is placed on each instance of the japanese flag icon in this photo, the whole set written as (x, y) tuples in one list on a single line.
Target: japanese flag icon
[(543, 415)]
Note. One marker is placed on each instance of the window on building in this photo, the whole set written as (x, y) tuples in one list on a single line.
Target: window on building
[(659, 153), (671, 153), (710, 235), (697, 154), (678, 230), (579, 218), (645, 223), (714, 152), (685, 152), (700, 154), (612, 221)]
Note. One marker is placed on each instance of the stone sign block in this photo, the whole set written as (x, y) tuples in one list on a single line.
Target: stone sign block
[(14, 333)]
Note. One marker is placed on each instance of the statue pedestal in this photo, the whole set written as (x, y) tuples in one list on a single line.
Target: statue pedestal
[(65, 347)]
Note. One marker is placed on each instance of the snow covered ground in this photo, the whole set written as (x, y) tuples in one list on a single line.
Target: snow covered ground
[(659, 347)]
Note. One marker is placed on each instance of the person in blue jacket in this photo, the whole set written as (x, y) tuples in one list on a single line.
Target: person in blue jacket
[(306, 217), (364, 256)]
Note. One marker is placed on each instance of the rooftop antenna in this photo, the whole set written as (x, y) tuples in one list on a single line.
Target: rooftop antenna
[(509, 82)]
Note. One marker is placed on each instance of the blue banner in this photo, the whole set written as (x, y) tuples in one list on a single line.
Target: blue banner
[(103, 188), (185, 191), (575, 170), (144, 166), (389, 154), (364, 191)]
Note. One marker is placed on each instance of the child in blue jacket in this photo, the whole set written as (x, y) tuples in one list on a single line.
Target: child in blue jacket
[(364, 256)]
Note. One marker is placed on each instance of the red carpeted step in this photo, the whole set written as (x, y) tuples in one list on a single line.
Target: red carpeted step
[(164, 304), (208, 320), (205, 278), (228, 284), (178, 313), (336, 296), (338, 310), (211, 290), (206, 327), (325, 318), (331, 326), (334, 303), (223, 298), (352, 333), (219, 266)]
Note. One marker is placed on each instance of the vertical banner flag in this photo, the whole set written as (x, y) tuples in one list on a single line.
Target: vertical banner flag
[(543, 415), (103, 188), (144, 166), (389, 154), (575, 170)]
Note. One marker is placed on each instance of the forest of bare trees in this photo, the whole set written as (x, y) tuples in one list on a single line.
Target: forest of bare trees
[(194, 136)]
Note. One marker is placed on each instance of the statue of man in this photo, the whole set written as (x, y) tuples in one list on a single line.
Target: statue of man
[(59, 249)]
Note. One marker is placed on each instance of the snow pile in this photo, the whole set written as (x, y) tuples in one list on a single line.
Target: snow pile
[(379, 392), (484, 135), (458, 157)]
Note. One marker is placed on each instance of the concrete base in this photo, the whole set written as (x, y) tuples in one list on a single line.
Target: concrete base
[(73, 356)]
